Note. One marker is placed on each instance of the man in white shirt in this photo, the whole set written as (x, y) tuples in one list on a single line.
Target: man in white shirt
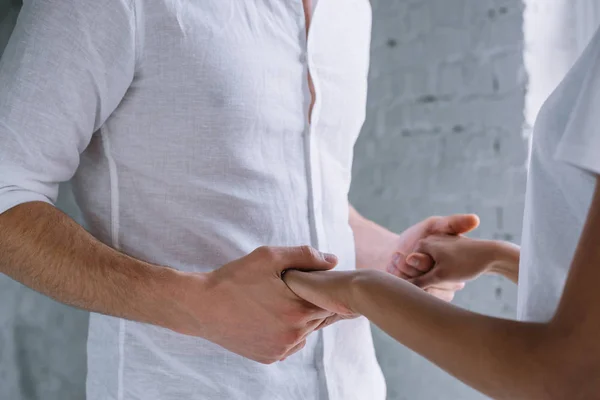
[(209, 143)]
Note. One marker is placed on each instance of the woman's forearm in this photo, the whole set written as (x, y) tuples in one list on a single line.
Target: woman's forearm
[(503, 359)]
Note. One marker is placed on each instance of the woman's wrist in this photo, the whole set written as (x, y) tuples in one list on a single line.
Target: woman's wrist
[(505, 262), (362, 285)]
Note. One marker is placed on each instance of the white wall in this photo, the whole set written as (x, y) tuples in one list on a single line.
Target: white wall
[(444, 135)]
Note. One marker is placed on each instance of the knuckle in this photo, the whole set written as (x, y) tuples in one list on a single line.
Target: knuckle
[(293, 316), (434, 219), (262, 251), (267, 252), (308, 251), (292, 336)]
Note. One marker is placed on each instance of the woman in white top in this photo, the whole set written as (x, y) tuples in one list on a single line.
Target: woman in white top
[(553, 352)]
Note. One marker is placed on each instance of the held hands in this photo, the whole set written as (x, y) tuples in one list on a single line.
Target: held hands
[(457, 259), (461, 259), (409, 241), (246, 307), (431, 254)]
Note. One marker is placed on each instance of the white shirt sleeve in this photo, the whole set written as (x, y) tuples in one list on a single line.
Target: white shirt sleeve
[(580, 142), (66, 67)]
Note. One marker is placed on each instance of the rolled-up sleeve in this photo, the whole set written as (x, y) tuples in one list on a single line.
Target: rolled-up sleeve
[(66, 68)]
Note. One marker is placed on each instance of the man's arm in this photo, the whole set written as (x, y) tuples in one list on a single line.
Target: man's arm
[(47, 251), (64, 72), (375, 245), (559, 359)]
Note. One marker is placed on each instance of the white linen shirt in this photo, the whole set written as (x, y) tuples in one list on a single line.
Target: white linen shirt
[(184, 127)]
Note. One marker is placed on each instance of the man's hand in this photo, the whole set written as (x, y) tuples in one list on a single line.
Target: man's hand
[(379, 249), (408, 241), (459, 259), (246, 307)]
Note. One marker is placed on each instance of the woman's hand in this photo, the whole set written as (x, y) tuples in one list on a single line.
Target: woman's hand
[(461, 259)]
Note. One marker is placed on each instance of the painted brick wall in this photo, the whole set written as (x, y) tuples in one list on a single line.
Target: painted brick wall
[(444, 135)]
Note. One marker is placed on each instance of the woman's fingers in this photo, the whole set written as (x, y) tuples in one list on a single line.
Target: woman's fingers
[(409, 267), (420, 263), (427, 280)]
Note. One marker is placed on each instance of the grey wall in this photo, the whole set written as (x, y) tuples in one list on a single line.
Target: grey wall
[(443, 135)]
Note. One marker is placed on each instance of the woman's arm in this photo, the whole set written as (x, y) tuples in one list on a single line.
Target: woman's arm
[(559, 359), (461, 259)]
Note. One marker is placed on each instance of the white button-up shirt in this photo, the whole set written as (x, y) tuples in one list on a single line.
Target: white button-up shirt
[(184, 125)]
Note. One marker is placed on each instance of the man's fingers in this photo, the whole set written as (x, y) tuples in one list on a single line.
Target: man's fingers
[(333, 319), (392, 269), (328, 321), (316, 313), (426, 280), (304, 258), (295, 349), (455, 224)]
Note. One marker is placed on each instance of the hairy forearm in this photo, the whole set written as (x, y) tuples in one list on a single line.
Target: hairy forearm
[(44, 249), (503, 359), (372, 242)]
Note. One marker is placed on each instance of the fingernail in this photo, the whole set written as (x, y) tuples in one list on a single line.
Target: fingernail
[(396, 259), (330, 258), (413, 262)]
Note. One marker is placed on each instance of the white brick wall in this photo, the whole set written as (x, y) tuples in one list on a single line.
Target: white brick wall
[(444, 135)]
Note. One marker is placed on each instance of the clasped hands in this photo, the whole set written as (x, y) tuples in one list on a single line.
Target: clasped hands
[(432, 255), (264, 305)]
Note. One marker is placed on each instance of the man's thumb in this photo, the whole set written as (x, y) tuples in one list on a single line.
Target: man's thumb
[(307, 258), (456, 224)]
